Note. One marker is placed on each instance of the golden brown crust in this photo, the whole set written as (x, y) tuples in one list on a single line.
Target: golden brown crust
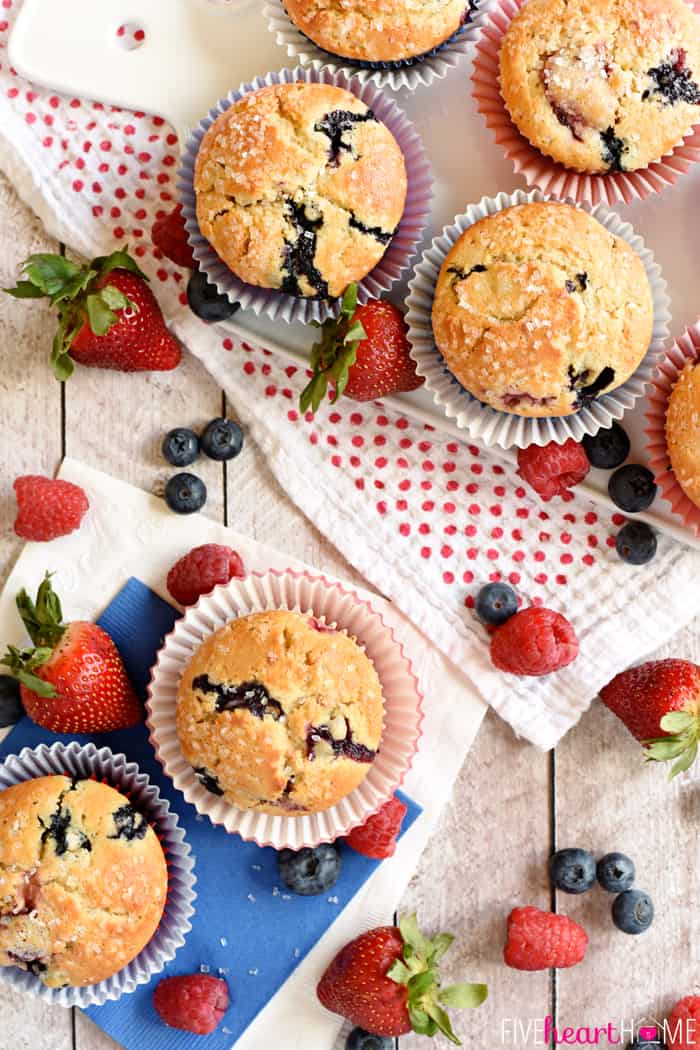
[(533, 304), (378, 30), (81, 891), (291, 206), (683, 431), (576, 78), (319, 686)]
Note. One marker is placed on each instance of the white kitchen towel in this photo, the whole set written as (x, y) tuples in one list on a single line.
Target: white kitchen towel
[(426, 518), (92, 564)]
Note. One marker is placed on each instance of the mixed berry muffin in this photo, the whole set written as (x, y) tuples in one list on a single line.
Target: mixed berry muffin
[(683, 431), (300, 188), (538, 310), (378, 30), (280, 714), (83, 880), (603, 85)]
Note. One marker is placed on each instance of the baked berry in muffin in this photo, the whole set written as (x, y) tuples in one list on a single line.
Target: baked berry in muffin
[(83, 880), (683, 431), (378, 30), (603, 85), (538, 310), (300, 188), (279, 714)]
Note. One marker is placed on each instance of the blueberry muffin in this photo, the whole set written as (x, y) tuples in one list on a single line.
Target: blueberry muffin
[(279, 714), (83, 880), (300, 188), (378, 30), (683, 431), (603, 85), (538, 310)]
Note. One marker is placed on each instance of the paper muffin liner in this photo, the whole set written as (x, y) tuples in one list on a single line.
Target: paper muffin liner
[(332, 604), (685, 349), (538, 170), (486, 424), (409, 74), (116, 770), (399, 253)]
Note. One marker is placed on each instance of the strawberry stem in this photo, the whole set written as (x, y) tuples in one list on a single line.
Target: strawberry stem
[(682, 730), (43, 619), (334, 354)]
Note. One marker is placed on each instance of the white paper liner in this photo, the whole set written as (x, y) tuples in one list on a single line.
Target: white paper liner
[(400, 251), (486, 424), (539, 170), (114, 769), (409, 75), (336, 606), (685, 349)]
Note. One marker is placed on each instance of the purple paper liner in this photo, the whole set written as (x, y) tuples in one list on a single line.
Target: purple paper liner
[(403, 246), (116, 770)]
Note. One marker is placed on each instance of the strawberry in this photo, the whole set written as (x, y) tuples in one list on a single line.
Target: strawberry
[(169, 234), (659, 702), (387, 982), (364, 354), (74, 681), (47, 507), (107, 315), (541, 940)]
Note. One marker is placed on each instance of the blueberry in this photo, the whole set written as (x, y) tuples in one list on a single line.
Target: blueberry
[(309, 871), (185, 493), (615, 872), (608, 448), (361, 1040), (633, 911), (496, 603), (636, 543), (632, 488), (180, 447), (222, 439), (206, 302), (572, 870), (11, 709)]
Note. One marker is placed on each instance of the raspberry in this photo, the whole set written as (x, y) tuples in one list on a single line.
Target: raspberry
[(538, 940), (377, 837), (196, 1002), (200, 571), (553, 469), (169, 234), (684, 1024), (47, 508), (534, 642)]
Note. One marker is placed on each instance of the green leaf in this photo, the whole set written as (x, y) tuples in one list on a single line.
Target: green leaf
[(100, 317), (42, 618), (420, 1021), (63, 367), (119, 260), (420, 983), (114, 299), (22, 662), (464, 996), (443, 1023), (441, 944), (685, 761), (25, 290), (412, 936), (677, 721), (349, 302), (665, 748), (74, 288), (49, 272), (399, 972), (355, 333), (313, 394)]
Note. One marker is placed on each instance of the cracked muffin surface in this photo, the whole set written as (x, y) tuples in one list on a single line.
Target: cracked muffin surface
[(538, 310), (603, 85), (83, 880), (683, 431), (280, 714), (300, 188), (378, 30)]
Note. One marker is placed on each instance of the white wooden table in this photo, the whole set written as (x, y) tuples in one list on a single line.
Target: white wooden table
[(511, 804)]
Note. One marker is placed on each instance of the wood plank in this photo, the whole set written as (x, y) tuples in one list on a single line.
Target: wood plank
[(608, 799)]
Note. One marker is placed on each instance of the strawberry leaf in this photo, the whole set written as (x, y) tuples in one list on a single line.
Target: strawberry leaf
[(25, 290), (119, 260), (334, 354), (664, 749), (685, 761), (441, 944), (100, 317), (420, 1021), (42, 618), (348, 303), (22, 662), (464, 996), (50, 273), (399, 972), (355, 333), (114, 299), (677, 721), (442, 1022)]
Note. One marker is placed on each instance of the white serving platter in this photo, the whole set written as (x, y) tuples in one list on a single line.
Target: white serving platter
[(195, 51)]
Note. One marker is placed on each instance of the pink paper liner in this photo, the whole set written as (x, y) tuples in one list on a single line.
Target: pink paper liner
[(685, 349), (541, 171), (300, 591)]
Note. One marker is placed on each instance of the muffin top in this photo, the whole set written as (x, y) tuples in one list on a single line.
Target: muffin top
[(83, 880), (683, 431), (538, 310), (378, 30), (280, 714), (300, 188), (603, 85)]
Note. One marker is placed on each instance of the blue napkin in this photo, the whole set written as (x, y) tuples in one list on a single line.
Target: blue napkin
[(247, 928)]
